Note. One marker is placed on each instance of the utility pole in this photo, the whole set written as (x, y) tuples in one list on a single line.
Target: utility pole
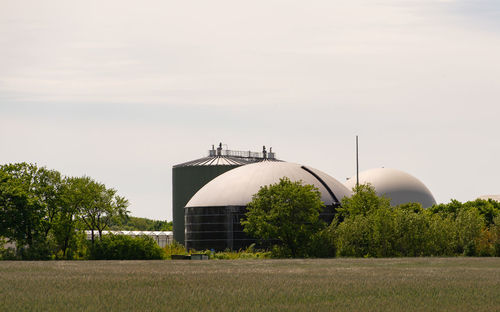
[(357, 163)]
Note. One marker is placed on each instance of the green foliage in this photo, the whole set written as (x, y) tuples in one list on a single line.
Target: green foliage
[(441, 236), (174, 248), (70, 240), (376, 234), (372, 228), (44, 214), (98, 205), (287, 212), (411, 231), (123, 247), (368, 224), (495, 236), (469, 223), (39, 250), (139, 224), (352, 237), (241, 255), (322, 243), (248, 253), (411, 207), (363, 201), (23, 214), (6, 253), (396, 232), (488, 209)]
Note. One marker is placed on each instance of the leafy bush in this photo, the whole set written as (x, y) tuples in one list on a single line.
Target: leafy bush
[(396, 232), (372, 228), (39, 250), (353, 237), (495, 233), (122, 247), (322, 244), (174, 249), (468, 228), (441, 236), (130, 223), (249, 253), (8, 253), (488, 209), (485, 244), (411, 233), (363, 201)]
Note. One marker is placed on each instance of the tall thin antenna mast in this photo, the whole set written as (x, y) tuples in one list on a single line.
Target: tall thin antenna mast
[(357, 163)]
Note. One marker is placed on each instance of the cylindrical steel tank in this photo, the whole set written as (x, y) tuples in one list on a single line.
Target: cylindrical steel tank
[(214, 213), (189, 177)]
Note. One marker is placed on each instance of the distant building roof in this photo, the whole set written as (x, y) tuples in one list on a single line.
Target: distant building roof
[(494, 197)]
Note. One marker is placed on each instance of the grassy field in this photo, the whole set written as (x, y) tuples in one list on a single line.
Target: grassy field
[(415, 284)]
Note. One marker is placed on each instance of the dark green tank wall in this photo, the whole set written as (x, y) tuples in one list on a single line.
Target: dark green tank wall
[(186, 181)]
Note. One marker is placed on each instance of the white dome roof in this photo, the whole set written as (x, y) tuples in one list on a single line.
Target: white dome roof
[(237, 186), (399, 186)]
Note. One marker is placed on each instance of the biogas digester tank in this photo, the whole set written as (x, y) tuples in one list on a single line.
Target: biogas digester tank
[(189, 177), (399, 186), (214, 213)]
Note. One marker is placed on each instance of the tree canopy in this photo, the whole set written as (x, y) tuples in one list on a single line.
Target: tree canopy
[(97, 204), (286, 212), (140, 224), (43, 212), (363, 201)]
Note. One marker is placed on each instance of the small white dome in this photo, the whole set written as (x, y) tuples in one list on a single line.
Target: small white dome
[(399, 186), (237, 186)]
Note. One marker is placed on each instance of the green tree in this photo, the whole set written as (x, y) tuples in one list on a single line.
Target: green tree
[(122, 247), (411, 231), (97, 205), (451, 208), (495, 230), (363, 200), (139, 224), (29, 203), (469, 223), (68, 226), (20, 212), (287, 212), (489, 209)]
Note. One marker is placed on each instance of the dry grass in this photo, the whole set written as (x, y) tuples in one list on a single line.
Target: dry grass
[(416, 284)]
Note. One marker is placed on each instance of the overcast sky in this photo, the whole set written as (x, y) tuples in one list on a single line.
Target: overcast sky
[(123, 90)]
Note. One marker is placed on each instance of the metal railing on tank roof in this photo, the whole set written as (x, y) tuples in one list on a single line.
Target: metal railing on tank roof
[(241, 154)]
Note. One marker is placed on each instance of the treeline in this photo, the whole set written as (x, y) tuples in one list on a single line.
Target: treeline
[(369, 227), (45, 214), (139, 224)]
